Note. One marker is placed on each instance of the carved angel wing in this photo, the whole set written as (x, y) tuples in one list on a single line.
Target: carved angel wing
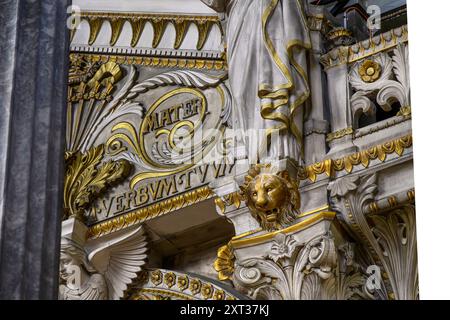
[(120, 260), (93, 289)]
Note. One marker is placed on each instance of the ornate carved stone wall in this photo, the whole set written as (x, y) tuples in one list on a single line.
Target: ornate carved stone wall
[(150, 155)]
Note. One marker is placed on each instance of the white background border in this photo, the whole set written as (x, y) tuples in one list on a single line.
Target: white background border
[(428, 25)]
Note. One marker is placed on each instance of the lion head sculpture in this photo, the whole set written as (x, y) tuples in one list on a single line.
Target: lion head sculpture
[(272, 198)]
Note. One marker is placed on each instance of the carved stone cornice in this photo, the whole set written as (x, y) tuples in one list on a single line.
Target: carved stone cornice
[(159, 61), (382, 42), (364, 158), (388, 123), (336, 57), (363, 49), (158, 21), (154, 210)]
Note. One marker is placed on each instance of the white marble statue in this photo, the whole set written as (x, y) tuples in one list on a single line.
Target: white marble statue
[(266, 42)]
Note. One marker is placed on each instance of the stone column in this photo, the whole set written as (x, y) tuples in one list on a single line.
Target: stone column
[(33, 75), (340, 138), (316, 126)]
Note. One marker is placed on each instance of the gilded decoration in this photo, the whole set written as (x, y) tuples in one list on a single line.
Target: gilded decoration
[(186, 288), (176, 285), (239, 242), (159, 162), (156, 277), (93, 104), (158, 62), (87, 178), (164, 141), (369, 71), (272, 198), (90, 101), (149, 212), (159, 24), (224, 264), (339, 134), (340, 36), (363, 158), (183, 282), (233, 198), (363, 49), (405, 111)]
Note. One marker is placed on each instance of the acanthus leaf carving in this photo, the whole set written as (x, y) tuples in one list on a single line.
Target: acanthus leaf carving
[(285, 267), (390, 237), (87, 178)]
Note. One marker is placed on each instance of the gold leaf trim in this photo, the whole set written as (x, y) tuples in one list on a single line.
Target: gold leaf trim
[(154, 210), (95, 23), (339, 134), (159, 26), (86, 179), (311, 172), (204, 28), (325, 215), (116, 30), (369, 71), (137, 26), (158, 62), (158, 22), (330, 166), (180, 31), (228, 200), (224, 264), (366, 48)]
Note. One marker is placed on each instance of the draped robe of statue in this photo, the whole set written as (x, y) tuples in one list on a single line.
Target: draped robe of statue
[(267, 43)]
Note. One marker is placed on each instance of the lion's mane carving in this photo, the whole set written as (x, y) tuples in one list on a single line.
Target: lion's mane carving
[(272, 197)]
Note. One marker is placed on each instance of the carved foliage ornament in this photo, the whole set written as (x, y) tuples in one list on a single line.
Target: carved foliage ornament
[(272, 198), (369, 71), (281, 274), (91, 107), (390, 237), (311, 271), (224, 263), (382, 79), (87, 178)]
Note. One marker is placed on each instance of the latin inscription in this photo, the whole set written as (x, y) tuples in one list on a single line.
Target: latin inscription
[(155, 190)]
